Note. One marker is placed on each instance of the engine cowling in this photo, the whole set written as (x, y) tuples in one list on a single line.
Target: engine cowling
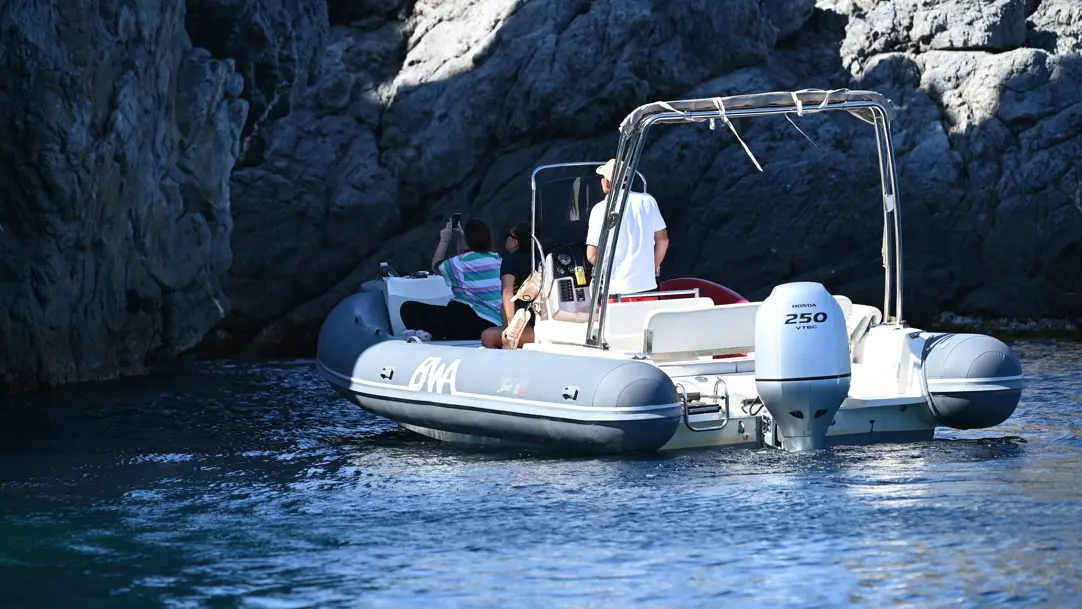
[(802, 361)]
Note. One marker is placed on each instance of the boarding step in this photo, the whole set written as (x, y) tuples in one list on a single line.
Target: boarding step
[(711, 411)]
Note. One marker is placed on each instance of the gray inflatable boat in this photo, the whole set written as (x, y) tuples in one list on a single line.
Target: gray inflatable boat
[(697, 366)]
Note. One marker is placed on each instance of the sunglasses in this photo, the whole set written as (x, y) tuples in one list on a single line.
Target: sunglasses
[(512, 235)]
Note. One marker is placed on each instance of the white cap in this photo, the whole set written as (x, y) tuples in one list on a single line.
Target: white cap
[(607, 169)]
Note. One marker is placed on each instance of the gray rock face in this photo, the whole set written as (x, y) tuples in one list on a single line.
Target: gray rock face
[(116, 144), (786, 15), (364, 12), (484, 92), (1056, 26), (321, 198), (275, 45), (924, 25), (141, 189), (406, 111), (993, 185), (490, 76)]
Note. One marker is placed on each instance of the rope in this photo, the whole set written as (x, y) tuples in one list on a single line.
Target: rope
[(721, 109)]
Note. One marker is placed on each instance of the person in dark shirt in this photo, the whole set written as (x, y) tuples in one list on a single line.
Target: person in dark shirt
[(514, 269)]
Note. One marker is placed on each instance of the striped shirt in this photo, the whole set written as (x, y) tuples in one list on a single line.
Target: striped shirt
[(474, 278)]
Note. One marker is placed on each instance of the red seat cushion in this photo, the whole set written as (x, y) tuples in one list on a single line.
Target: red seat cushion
[(720, 294)]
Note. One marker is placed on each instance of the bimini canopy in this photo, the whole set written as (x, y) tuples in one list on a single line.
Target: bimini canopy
[(777, 102)]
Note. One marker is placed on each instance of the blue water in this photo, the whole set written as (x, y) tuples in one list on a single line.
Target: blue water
[(255, 486)]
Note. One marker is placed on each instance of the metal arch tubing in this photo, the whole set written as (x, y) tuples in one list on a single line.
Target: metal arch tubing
[(541, 269), (694, 117), (889, 176), (600, 278), (888, 260), (537, 243), (619, 204), (637, 134), (892, 165)]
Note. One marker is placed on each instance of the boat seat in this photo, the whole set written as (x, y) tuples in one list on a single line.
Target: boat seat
[(730, 329), (625, 321), (718, 330), (860, 319), (686, 327)]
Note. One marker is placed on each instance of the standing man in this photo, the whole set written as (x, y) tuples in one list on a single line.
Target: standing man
[(641, 241)]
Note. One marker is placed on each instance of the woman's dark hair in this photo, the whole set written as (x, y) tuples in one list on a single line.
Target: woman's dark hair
[(478, 235), (521, 232)]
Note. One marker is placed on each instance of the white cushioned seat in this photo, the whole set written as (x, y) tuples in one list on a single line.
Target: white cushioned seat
[(718, 330)]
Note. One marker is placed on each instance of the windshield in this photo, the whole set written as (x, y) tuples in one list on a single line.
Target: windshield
[(564, 196), (563, 207)]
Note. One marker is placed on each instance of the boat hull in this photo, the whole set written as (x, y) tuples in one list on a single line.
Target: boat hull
[(598, 430), (602, 402), (588, 404)]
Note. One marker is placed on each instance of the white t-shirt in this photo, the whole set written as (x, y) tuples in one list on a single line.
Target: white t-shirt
[(633, 268)]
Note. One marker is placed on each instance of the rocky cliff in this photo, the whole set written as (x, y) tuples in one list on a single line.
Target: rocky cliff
[(157, 187), (457, 102), (117, 142)]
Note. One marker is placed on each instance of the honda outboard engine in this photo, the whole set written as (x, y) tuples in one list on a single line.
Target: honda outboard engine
[(802, 365)]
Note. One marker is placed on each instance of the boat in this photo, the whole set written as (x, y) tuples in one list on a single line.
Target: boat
[(699, 366)]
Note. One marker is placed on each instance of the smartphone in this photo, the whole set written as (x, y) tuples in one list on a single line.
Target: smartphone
[(455, 219)]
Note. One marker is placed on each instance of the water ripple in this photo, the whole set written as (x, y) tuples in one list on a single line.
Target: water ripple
[(255, 486)]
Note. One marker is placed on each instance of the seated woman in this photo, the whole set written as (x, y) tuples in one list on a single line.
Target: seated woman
[(474, 278), (514, 270)]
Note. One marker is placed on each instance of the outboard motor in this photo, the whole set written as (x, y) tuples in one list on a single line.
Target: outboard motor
[(971, 381), (802, 365)]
